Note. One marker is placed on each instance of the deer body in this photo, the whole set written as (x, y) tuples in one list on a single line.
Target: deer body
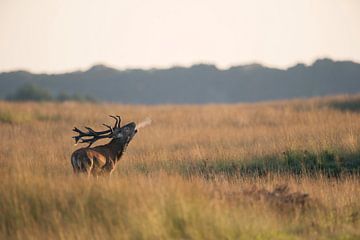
[(101, 160)]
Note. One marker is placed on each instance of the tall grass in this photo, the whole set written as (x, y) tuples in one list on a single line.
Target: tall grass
[(198, 172)]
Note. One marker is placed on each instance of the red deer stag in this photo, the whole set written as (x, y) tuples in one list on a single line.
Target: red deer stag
[(101, 160)]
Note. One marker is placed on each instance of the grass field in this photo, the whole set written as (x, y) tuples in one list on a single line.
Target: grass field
[(277, 170)]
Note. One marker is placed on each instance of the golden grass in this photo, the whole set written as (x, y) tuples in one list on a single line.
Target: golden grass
[(149, 197)]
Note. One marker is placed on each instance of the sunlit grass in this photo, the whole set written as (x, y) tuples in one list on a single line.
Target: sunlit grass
[(198, 172)]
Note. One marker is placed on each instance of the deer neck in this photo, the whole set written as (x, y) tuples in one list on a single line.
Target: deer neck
[(117, 148)]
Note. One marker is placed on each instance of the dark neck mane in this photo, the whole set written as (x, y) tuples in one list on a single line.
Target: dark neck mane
[(117, 148)]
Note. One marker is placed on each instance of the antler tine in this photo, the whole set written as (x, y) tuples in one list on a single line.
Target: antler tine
[(75, 129), (90, 130), (116, 121), (109, 127), (77, 138), (81, 134), (118, 125), (92, 140)]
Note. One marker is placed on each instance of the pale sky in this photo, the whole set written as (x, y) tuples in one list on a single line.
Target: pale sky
[(65, 35)]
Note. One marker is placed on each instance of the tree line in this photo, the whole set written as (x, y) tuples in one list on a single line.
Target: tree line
[(33, 92)]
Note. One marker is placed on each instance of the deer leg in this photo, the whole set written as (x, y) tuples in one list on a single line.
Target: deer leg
[(74, 164), (86, 165)]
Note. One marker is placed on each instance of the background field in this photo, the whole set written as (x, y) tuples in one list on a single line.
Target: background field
[(278, 170)]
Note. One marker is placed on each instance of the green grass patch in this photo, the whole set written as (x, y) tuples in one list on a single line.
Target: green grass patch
[(350, 104), (300, 163), (11, 117)]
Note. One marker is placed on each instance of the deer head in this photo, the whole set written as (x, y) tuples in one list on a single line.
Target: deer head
[(122, 134)]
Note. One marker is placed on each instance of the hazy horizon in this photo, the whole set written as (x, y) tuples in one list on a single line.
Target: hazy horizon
[(169, 67), (48, 36)]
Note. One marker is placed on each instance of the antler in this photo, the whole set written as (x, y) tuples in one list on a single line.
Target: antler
[(117, 119), (92, 136)]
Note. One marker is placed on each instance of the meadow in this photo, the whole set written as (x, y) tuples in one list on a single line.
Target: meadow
[(271, 170)]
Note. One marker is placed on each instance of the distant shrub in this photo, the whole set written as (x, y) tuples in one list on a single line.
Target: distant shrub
[(31, 92), (6, 117), (14, 117), (62, 97), (348, 104)]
